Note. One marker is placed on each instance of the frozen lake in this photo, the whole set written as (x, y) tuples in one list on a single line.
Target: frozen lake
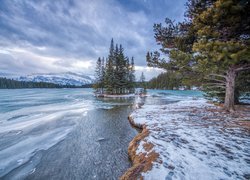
[(68, 133), (63, 134)]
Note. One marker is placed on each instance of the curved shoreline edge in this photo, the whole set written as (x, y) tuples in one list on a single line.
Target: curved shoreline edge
[(141, 162), (196, 121)]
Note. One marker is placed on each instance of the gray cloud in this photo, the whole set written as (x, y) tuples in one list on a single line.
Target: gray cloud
[(56, 36)]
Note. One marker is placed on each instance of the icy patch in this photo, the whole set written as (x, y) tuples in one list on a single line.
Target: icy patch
[(26, 148), (100, 139), (195, 141), (28, 127)]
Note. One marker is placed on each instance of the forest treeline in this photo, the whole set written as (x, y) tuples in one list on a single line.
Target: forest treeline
[(166, 80), (13, 84), (115, 74)]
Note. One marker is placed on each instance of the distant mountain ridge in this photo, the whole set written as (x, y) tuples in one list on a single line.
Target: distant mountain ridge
[(68, 78)]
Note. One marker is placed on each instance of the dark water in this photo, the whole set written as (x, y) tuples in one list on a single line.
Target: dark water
[(63, 134), (96, 149)]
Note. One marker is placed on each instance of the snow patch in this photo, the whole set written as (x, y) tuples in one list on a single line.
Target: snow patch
[(194, 141)]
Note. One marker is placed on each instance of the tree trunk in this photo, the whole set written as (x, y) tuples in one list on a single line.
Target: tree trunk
[(230, 87)]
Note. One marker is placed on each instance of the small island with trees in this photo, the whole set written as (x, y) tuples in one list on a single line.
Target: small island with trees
[(115, 75)]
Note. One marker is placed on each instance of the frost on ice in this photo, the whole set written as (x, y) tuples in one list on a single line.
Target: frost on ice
[(194, 140)]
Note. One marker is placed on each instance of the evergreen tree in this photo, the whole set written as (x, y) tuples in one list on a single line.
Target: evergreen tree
[(109, 71), (212, 45), (127, 71), (131, 79), (115, 70), (109, 76), (98, 75), (142, 81), (223, 50), (122, 71), (102, 84)]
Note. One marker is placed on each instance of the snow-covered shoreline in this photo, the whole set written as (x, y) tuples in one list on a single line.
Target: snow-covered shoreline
[(189, 139)]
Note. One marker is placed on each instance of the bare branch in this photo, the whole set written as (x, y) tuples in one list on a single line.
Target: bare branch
[(243, 68), (217, 80), (221, 84), (219, 75), (214, 91), (216, 86)]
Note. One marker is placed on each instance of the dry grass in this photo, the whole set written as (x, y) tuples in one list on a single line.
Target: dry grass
[(141, 162), (148, 146)]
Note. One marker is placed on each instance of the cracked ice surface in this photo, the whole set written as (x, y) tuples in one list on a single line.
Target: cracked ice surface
[(195, 140)]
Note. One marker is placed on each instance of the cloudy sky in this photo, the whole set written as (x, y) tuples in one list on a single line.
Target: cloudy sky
[(44, 36)]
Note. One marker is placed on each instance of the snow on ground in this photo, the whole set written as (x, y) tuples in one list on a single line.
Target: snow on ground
[(195, 140)]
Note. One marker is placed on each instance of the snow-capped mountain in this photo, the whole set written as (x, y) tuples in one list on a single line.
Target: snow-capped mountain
[(68, 78)]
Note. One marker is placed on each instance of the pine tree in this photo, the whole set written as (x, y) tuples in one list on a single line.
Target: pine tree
[(109, 71), (142, 81), (131, 78), (122, 70), (223, 50), (102, 83), (213, 44), (109, 76), (116, 70), (98, 75)]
